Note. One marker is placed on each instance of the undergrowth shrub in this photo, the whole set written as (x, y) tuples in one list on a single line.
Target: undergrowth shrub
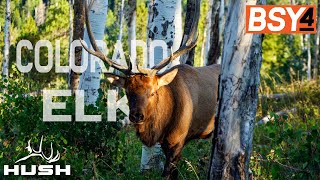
[(288, 147), (91, 148)]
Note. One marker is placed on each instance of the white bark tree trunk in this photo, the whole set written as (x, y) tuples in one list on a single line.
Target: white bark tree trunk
[(316, 51), (70, 34), (90, 81), (308, 53), (161, 26), (40, 13), (207, 35), (309, 57), (239, 82), (132, 18), (121, 21), (5, 64), (178, 31)]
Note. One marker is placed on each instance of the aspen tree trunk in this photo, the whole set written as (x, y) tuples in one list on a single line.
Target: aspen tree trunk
[(309, 57), (308, 53), (131, 20), (177, 31), (161, 26), (238, 96), (192, 7), (121, 21), (90, 81), (214, 43), (5, 64), (78, 32), (316, 49), (207, 35), (70, 31), (40, 13)]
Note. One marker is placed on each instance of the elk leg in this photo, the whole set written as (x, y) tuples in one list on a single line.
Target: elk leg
[(173, 155)]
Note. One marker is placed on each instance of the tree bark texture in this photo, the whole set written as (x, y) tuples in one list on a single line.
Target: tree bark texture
[(5, 64), (206, 42), (90, 81), (192, 7), (131, 21), (239, 82), (178, 32), (316, 49), (78, 31), (214, 46), (161, 26)]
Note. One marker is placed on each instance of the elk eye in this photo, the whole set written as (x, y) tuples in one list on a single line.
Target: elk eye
[(152, 94)]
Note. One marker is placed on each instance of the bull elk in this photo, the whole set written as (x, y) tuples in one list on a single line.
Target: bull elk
[(172, 107)]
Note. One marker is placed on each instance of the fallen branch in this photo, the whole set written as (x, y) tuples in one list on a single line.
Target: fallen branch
[(267, 118), (275, 96)]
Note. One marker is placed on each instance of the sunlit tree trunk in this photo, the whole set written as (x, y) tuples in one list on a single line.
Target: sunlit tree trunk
[(178, 31), (5, 64), (78, 32), (40, 13), (309, 57), (70, 30), (316, 48), (207, 35), (238, 96), (161, 26), (90, 81)]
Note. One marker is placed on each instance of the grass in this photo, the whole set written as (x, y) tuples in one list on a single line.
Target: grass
[(193, 165)]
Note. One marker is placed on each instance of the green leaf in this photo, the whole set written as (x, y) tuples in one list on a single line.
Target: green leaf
[(304, 165)]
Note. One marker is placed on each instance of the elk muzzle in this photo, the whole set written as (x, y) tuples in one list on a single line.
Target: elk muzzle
[(136, 117)]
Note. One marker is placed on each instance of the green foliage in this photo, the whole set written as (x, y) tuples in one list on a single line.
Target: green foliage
[(288, 146), (90, 148), (283, 55)]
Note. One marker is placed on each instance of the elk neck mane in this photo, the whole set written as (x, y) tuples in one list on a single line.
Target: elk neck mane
[(161, 119)]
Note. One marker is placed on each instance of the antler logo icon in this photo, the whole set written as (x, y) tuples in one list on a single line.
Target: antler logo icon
[(33, 153)]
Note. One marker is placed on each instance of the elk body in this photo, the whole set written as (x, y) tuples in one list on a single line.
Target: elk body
[(172, 107)]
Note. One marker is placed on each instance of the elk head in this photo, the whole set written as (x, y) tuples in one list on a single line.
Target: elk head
[(141, 88)]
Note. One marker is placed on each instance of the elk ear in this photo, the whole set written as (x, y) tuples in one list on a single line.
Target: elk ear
[(167, 78), (116, 80)]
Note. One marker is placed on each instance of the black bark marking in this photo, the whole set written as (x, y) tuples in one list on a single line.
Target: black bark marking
[(165, 26), (155, 29), (169, 44), (155, 11)]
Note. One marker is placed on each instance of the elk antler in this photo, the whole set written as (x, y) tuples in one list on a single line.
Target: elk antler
[(97, 52), (190, 43)]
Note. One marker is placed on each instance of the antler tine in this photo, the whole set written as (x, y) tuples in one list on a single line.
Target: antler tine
[(190, 43), (97, 51)]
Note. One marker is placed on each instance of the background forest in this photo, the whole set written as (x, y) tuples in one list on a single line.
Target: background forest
[(287, 135)]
